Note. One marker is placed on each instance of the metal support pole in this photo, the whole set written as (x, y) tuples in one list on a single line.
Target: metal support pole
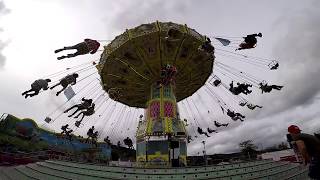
[(204, 153)]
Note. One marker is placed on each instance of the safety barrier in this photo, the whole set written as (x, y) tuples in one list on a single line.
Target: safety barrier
[(48, 170)]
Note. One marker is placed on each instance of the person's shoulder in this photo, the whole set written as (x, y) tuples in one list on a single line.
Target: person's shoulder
[(305, 135), (296, 137), (302, 136)]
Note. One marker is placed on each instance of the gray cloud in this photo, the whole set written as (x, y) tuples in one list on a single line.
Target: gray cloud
[(3, 8), (298, 52), (134, 13), (264, 132), (3, 11), (2, 57), (296, 49)]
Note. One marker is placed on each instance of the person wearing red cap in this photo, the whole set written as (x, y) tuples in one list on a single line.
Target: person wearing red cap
[(309, 147)]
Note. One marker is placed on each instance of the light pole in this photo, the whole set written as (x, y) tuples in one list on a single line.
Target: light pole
[(261, 146), (204, 153)]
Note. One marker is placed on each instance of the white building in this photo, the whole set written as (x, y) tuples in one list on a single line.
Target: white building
[(284, 155)]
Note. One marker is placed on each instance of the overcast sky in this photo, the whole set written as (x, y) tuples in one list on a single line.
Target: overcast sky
[(30, 30)]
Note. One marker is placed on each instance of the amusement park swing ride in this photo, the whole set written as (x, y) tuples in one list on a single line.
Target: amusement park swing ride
[(157, 67)]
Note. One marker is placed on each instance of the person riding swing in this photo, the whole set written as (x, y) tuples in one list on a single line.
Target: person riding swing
[(85, 104), (128, 142), (217, 124), (253, 106), (234, 90), (250, 41), (207, 47), (211, 130), (200, 131), (36, 86), (167, 75), (243, 87), (235, 116), (268, 88), (64, 129), (66, 81), (85, 47), (88, 112), (69, 135), (89, 133)]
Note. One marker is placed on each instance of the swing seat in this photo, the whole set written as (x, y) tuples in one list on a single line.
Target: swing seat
[(216, 82), (47, 119)]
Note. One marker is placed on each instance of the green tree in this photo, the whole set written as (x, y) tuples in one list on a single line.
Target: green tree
[(248, 148), (283, 146)]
